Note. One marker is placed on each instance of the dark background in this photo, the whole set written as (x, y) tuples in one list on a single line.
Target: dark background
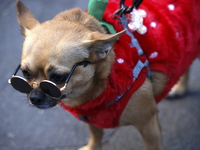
[(23, 127)]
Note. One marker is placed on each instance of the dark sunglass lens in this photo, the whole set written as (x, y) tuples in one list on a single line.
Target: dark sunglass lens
[(50, 89), (20, 85)]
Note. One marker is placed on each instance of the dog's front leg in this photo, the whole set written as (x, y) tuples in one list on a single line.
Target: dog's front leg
[(96, 135)]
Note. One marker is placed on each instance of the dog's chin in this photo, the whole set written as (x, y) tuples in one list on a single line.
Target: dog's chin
[(47, 105)]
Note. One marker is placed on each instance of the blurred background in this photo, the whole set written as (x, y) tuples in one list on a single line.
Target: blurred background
[(23, 127)]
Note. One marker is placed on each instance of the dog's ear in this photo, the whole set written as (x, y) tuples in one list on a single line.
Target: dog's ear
[(101, 44), (25, 18)]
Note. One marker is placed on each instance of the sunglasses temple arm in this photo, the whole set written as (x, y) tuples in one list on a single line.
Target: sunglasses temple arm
[(9, 80), (70, 74), (16, 70), (84, 63)]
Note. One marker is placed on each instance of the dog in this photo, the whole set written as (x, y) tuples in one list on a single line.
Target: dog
[(71, 60)]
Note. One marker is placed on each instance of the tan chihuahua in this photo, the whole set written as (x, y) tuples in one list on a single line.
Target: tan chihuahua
[(74, 46)]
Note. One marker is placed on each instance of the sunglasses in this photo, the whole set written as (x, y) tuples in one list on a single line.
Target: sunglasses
[(48, 87)]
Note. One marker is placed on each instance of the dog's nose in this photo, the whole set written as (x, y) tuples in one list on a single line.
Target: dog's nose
[(37, 97), (35, 100)]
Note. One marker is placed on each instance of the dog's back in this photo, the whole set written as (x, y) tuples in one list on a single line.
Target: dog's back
[(172, 40)]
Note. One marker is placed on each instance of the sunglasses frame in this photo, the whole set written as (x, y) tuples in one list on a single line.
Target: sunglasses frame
[(48, 82)]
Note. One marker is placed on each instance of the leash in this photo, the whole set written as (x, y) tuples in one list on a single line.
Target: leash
[(125, 9)]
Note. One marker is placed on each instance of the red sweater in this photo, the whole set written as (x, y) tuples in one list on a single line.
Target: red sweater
[(171, 44), (100, 111)]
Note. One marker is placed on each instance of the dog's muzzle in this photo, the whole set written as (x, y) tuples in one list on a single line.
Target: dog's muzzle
[(39, 99)]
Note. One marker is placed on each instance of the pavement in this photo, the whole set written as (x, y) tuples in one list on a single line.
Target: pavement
[(23, 127)]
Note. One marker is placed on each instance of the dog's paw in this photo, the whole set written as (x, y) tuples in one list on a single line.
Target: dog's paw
[(177, 92), (84, 148), (88, 148)]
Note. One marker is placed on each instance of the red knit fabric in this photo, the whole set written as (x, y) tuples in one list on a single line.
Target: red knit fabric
[(176, 41), (175, 38)]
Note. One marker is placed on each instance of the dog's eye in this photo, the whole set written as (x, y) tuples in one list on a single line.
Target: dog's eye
[(57, 78), (27, 75)]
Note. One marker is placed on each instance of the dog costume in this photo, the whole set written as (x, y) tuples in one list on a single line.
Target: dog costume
[(170, 45)]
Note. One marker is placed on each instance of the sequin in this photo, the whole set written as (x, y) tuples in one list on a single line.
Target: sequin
[(136, 21), (142, 30), (153, 55), (120, 60), (171, 7), (153, 24), (177, 34)]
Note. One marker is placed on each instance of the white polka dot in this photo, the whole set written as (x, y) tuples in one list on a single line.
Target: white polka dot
[(153, 55), (120, 60), (177, 34), (171, 7), (153, 24)]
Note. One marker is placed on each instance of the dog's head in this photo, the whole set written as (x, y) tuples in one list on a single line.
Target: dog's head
[(53, 48)]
